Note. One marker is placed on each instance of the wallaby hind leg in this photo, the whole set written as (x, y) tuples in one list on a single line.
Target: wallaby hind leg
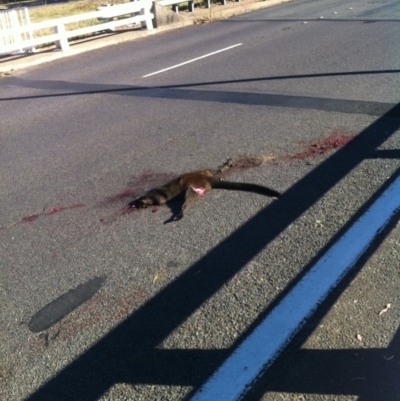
[(191, 196)]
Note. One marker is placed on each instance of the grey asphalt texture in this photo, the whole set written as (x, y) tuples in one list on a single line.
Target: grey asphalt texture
[(82, 136)]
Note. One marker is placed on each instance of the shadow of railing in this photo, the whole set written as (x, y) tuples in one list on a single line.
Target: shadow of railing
[(370, 373), (79, 88)]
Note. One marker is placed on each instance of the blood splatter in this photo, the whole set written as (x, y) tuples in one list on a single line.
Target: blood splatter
[(53, 210), (336, 140), (29, 219), (61, 209), (124, 211), (138, 185), (144, 177), (122, 196)]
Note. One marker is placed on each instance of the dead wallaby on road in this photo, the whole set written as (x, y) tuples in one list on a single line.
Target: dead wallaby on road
[(193, 186)]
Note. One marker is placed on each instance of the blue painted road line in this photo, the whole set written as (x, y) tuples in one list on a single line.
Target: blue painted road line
[(231, 381)]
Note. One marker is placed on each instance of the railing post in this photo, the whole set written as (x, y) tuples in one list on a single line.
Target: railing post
[(14, 23), (28, 24), (148, 23), (104, 19), (62, 42)]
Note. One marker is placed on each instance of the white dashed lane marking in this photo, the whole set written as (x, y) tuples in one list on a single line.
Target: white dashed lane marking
[(191, 61)]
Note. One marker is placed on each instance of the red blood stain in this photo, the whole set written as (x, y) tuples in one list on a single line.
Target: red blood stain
[(121, 213), (128, 210), (154, 210), (336, 140), (53, 210), (29, 219), (61, 209), (146, 177), (122, 196), (137, 186)]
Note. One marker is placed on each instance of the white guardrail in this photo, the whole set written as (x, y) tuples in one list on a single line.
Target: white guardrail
[(17, 35)]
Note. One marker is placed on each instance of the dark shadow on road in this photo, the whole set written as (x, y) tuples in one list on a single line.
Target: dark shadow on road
[(129, 352), (386, 154), (370, 373), (184, 92), (78, 88)]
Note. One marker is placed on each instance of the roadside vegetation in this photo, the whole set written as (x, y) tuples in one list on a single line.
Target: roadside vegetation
[(65, 9)]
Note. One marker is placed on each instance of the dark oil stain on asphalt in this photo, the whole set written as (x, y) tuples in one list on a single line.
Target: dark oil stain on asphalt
[(65, 304)]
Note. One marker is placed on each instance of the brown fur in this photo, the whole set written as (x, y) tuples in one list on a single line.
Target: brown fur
[(193, 186)]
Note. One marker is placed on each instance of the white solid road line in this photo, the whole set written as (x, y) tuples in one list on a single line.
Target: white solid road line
[(263, 345), (191, 61)]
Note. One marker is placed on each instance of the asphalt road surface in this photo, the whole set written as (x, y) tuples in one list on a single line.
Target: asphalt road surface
[(103, 303)]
